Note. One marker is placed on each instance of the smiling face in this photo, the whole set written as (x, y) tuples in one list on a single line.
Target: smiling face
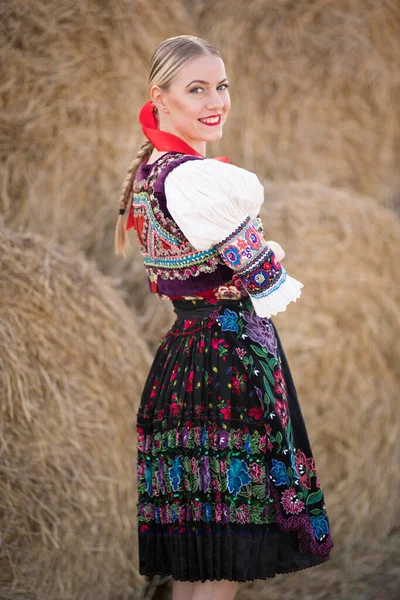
[(196, 105)]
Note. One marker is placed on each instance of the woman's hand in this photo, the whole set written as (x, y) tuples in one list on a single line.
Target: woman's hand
[(277, 250)]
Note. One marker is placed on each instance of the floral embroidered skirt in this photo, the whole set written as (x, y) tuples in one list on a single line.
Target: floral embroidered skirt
[(227, 484)]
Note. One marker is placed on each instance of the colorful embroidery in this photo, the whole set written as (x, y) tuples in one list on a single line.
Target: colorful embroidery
[(246, 252), (221, 445), (243, 478), (169, 255), (166, 251)]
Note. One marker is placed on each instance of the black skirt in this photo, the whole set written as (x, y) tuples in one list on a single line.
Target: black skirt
[(227, 483)]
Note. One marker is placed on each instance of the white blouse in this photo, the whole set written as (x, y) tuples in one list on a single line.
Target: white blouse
[(210, 201)]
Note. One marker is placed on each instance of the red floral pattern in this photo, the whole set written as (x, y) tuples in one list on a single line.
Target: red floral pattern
[(222, 443)]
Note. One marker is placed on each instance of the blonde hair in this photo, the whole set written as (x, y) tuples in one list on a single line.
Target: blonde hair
[(168, 59)]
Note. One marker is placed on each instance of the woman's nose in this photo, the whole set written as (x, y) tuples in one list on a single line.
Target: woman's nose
[(214, 100)]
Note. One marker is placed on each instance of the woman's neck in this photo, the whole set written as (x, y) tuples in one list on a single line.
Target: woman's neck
[(157, 154), (198, 145)]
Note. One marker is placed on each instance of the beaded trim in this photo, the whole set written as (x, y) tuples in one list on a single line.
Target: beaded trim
[(166, 252), (168, 241), (234, 233)]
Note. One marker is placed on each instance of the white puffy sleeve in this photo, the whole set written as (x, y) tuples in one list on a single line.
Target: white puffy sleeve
[(216, 204)]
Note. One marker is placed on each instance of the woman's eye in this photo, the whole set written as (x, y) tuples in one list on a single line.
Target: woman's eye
[(223, 85)]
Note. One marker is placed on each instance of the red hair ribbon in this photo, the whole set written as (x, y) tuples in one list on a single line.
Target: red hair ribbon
[(162, 140)]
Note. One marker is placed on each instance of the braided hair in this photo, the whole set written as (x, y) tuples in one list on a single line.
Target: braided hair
[(127, 189)]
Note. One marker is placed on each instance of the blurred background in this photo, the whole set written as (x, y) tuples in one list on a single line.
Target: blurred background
[(315, 89)]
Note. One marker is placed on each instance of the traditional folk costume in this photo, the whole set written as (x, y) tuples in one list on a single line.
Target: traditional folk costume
[(227, 483)]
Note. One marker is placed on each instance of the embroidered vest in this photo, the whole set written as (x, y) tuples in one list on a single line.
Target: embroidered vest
[(173, 265)]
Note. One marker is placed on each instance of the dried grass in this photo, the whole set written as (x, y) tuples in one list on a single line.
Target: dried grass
[(73, 367), (321, 84), (74, 76)]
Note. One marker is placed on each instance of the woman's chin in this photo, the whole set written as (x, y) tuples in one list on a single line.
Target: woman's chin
[(214, 136)]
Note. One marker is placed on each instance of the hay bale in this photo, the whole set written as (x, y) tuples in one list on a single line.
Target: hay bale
[(343, 344), (154, 316), (321, 81), (72, 369), (74, 76)]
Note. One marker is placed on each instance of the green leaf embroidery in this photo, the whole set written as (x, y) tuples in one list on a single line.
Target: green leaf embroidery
[(194, 483), (258, 351), (186, 464), (172, 438), (259, 491), (272, 362), (288, 430), (315, 497), (255, 437), (214, 464), (268, 372), (268, 392), (254, 447), (223, 483), (255, 514), (245, 491)]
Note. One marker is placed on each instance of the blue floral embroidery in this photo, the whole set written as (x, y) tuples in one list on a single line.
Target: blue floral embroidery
[(207, 511), (232, 256), (295, 473), (260, 276), (247, 446), (320, 526), (238, 475), (174, 513), (203, 436), (229, 320), (175, 473), (148, 476), (279, 472)]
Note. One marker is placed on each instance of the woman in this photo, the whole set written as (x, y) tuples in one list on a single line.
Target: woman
[(228, 489)]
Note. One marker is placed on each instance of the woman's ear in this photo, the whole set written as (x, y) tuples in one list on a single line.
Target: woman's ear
[(158, 99)]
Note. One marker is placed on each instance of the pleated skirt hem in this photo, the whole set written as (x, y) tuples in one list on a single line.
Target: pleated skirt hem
[(319, 561)]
